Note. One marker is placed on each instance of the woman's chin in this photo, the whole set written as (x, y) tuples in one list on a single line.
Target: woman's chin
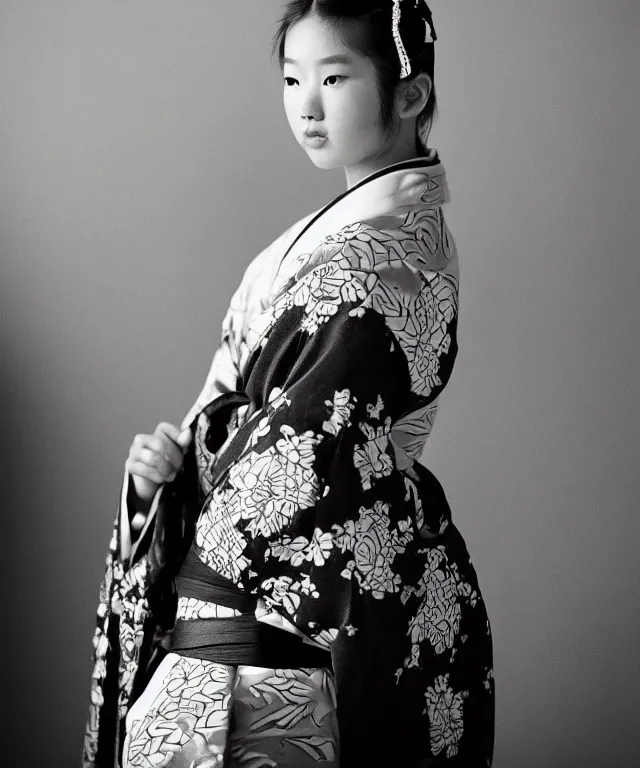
[(321, 160)]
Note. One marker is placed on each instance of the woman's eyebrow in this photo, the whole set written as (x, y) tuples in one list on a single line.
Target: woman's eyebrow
[(337, 59)]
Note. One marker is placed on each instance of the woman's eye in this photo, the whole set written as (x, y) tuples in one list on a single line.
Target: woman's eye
[(290, 80), (335, 77)]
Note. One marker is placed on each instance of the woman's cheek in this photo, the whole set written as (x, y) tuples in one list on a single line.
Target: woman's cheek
[(289, 103)]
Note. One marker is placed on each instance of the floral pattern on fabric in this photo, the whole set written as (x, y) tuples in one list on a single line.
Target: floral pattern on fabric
[(374, 545), (439, 614), (263, 491), (281, 717), (317, 505), (299, 549), (193, 704), (220, 544), (341, 408), (123, 605), (371, 459), (286, 593), (392, 324), (446, 719), (384, 271)]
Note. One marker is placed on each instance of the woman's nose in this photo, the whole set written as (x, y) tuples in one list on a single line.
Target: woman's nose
[(311, 107)]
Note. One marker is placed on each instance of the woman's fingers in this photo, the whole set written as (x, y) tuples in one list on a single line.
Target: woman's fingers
[(160, 445), (153, 452), (138, 469), (172, 435), (157, 458), (158, 461), (167, 448), (149, 472), (171, 431)]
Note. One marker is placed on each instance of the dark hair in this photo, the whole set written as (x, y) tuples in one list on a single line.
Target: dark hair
[(365, 26)]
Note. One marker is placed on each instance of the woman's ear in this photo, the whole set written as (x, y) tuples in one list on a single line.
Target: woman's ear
[(412, 95)]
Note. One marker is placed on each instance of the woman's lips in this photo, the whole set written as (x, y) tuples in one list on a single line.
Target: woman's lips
[(315, 139)]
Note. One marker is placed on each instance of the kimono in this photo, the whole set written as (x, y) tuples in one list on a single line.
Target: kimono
[(303, 491)]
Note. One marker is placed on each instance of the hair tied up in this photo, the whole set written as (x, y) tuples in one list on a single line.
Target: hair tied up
[(430, 33), (424, 13)]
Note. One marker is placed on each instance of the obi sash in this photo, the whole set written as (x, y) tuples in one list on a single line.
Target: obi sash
[(237, 639)]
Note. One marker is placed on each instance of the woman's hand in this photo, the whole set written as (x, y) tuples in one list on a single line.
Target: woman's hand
[(156, 459)]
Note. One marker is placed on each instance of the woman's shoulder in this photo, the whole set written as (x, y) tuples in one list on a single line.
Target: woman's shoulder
[(267, 260)]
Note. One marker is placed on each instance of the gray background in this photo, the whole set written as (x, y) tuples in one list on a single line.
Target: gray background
[(145, 158)]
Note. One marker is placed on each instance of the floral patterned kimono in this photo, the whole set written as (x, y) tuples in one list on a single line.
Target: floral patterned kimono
[(302, 497)]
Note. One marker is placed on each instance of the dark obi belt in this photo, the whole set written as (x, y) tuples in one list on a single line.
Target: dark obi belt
[(237, 639)]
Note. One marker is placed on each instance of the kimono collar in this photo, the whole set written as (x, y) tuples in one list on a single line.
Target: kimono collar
[(405, 183), (419, 183)]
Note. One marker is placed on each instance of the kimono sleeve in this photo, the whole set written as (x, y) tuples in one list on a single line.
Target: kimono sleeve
[(126, 626), (248, 299), (223, 375), (324, 522)]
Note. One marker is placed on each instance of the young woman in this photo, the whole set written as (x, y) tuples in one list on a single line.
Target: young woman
[(285, 586)]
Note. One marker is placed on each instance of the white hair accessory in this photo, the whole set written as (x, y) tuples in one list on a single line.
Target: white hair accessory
[(405, 64), (424, 122)]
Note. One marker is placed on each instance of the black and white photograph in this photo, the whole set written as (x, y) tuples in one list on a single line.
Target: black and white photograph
[(320, 380)]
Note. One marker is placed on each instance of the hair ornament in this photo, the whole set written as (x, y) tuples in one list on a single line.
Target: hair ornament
[(430, 34), (405, 64)]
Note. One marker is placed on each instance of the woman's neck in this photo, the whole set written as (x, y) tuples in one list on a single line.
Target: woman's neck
[(406, 148)]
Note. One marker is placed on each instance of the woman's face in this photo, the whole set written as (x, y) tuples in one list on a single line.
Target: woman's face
[(336, 97)]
